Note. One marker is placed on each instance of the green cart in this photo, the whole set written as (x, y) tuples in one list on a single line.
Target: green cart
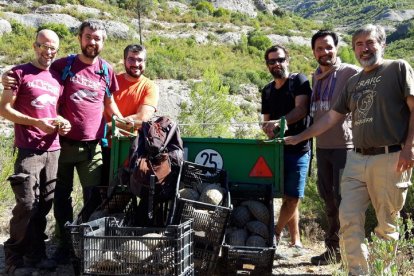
[(245, 160)]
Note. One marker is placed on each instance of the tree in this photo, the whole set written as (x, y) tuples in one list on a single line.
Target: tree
[(210, 112)]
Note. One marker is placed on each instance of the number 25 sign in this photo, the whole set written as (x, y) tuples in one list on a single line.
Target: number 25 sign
[(209, 158)]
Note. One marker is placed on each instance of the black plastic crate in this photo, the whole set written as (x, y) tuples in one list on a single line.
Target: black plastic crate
[(111, 207), (209, 220), (254, 260), (110, 249)]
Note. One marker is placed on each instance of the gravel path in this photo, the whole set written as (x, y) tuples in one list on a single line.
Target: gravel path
[(294, 264)]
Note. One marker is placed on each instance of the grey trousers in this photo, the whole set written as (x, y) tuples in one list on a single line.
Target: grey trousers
[(33, 184)]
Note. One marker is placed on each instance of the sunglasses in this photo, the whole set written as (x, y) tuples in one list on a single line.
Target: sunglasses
[(274, 60), (44, 47)]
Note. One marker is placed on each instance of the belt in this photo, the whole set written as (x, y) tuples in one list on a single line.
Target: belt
[(379, 150)]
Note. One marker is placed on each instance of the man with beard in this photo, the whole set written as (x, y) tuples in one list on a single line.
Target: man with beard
[(137, 97), (331, 147), (85, 98), (381, 101), (32, 105), (288, 95)]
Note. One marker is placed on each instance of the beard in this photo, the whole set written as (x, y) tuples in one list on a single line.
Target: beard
[(375, 56), (134, 72), (281, 73), (326, 60), (90, 53)]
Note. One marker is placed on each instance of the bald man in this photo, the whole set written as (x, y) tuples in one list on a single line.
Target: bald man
[(32, 106)]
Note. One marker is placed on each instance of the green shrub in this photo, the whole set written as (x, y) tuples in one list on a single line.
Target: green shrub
[(60, 29), (221, 12), (210, 112), (205, 7), (258, 40)]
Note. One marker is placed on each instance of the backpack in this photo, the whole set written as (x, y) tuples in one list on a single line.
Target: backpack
[(155, 159)]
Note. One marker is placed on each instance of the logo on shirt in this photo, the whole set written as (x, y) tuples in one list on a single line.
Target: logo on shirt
[(82, 94), (84, 81), (45, 86), (43, 100), (364, 100)]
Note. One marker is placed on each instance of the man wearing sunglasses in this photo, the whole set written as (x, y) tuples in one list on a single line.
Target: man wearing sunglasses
[(288, 95), (32, 105), (332, 146)]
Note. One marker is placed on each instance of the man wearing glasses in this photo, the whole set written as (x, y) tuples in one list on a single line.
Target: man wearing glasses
[(288, 95), (32, 105), (378, 170), (137, 97)]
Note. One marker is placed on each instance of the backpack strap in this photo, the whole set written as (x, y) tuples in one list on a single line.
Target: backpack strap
[(67, 70), (292, 82), (104, 72)]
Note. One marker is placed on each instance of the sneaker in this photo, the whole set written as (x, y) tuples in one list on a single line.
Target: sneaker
[(298, 250), (62, 255), (327, 257)]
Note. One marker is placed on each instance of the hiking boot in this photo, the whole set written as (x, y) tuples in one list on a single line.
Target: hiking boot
[(327, 257), (62, 255)]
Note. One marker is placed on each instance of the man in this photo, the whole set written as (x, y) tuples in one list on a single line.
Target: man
[(381, 101), (32, 106), (331, 147), (85, 98), (288, 96), (137, 97)]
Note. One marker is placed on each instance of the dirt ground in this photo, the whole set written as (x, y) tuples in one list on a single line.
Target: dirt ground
[(292, 263)]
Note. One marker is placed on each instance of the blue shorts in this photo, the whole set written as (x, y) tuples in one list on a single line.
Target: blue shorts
[(296, 172)]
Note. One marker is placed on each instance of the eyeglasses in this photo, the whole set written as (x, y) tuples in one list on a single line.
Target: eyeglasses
[(134, 60), (274, 60), (44, 47)]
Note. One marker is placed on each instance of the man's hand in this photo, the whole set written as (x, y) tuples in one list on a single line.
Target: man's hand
[(63, 126), (406, 159), (292, 140), (269, 128), (46, 125), (8, 81)]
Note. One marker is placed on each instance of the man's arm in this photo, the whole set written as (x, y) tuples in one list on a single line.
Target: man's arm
[(8, 112), (111, 108), (300, 110), (8, 81), (323, 124), (406, 159), (144, 113)]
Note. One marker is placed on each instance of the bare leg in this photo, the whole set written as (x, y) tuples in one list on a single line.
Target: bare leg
[(293, 226), (289, 215)]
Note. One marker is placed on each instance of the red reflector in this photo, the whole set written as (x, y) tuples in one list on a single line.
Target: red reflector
[(261, 169)]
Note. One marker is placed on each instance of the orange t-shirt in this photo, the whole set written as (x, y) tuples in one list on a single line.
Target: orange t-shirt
[(133, 94)]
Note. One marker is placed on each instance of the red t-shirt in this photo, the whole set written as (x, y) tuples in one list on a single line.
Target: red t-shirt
[(83, 98), (133, 94), (37, 94)]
